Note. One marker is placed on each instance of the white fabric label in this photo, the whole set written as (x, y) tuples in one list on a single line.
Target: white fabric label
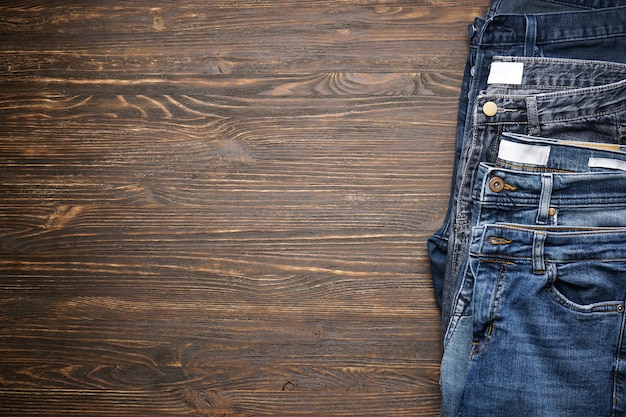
[(607, 163), (506, 73), (522, 153)]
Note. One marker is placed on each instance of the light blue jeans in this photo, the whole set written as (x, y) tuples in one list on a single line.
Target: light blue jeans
[(548, 324), (535, 181)]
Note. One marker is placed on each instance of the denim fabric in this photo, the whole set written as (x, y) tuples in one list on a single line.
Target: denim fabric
[(594, 113), (587, 34), (548, 323), (545, 6), (544, 75), (538, 154), (558, 183), (551, 198)]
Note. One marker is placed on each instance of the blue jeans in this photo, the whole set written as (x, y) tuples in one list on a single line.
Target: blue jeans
[(540, 182), (548, 323), (588, 113), (595, 114), (588, 34)]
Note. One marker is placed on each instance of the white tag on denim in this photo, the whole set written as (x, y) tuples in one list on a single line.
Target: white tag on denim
[(522, 153), (607, 163), (506, 73)]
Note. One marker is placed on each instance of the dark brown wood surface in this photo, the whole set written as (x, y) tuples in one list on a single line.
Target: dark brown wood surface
[(220, 208)]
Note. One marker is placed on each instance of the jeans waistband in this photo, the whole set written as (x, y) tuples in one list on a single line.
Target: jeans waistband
[(509, 242), (536, 154), (546, 28), (547, 74), (566, 105), (502, 187)]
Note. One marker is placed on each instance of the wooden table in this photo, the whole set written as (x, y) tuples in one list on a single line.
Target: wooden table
[(220, 208)]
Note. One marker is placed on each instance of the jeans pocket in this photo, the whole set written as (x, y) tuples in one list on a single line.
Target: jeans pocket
[(587, 286)]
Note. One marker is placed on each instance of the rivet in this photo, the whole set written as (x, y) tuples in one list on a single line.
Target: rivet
[(551, 212), (497, 240), (620, 308)]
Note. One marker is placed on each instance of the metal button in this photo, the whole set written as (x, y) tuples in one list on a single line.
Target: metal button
[(471, 30), (496, 184), (490, 109), (551, 212)]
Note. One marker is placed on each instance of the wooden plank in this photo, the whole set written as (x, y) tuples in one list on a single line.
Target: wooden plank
[(139, 38)]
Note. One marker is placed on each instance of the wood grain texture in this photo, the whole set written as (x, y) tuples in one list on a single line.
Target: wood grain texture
[(221, 208)]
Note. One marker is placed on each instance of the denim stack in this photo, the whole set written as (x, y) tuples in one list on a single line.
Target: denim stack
[(529, 267)]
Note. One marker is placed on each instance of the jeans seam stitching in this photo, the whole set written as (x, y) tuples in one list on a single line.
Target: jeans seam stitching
[(495, 306)]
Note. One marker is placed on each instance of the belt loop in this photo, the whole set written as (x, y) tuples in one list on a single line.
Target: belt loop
[(547, 182), (532, 115), (531, 35), (539, 266)]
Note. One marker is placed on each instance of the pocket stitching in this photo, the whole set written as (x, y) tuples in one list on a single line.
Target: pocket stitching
[(599, 307)]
